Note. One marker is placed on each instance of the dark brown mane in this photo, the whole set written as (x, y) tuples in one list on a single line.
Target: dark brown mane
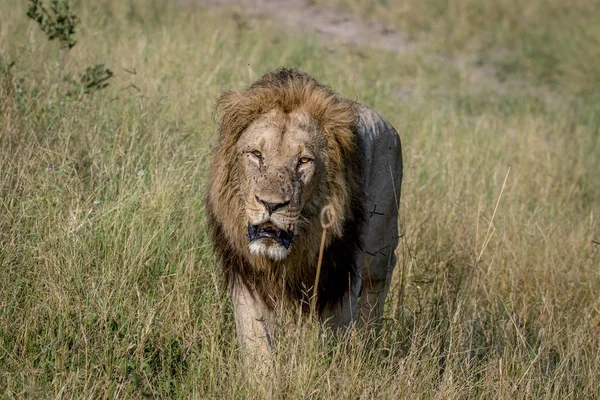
[(289, 90)]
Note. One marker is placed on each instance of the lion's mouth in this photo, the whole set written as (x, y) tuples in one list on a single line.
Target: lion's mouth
[(267, 230)]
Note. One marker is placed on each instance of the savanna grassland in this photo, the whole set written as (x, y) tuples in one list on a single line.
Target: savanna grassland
[(108, 287)]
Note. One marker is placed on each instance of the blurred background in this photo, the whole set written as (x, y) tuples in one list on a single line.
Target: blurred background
[(108, 286)]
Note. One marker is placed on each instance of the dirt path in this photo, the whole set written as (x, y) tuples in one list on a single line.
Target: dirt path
[(334, 26), (328, 25)]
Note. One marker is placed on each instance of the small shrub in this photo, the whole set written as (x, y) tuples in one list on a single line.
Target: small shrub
[(59, 22)]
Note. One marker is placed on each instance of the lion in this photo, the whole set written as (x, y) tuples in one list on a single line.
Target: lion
[(289, 146)]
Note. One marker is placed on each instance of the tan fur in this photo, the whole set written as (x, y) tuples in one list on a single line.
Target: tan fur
[(335, 117), (264, 133)]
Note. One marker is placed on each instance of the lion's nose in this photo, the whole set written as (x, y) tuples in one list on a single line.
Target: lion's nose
[(272, 206)]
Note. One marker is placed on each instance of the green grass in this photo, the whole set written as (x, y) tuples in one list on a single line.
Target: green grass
[(108, 285), (553, 42)]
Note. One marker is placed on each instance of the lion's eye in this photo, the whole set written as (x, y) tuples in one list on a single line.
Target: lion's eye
[(257, 154), (303, 160)]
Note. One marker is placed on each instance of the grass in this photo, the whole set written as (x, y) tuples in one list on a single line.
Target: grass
[(108, 284), (553, 42)]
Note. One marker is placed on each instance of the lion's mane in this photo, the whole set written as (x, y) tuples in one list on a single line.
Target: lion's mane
[(292, 278)]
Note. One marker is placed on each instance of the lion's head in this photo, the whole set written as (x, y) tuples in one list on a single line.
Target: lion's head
[(286, 149), (280, 160)]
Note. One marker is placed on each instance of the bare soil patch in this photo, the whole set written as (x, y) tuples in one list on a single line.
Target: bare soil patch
[(328, 25), (338, 26)]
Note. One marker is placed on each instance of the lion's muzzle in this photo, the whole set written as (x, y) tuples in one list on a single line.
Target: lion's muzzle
[(267, 230)]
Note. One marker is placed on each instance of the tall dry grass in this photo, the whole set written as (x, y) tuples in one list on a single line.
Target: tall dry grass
[(108, 285)]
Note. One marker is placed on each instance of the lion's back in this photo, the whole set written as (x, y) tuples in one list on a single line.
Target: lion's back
[(382, 178)]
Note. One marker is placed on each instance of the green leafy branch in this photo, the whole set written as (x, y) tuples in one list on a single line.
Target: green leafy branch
[(93, 79), (58, 22)]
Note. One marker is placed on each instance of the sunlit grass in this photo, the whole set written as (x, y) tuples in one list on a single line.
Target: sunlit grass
[(108, 284), (553, 42)]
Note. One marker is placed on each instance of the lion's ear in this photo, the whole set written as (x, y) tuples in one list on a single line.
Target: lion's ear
[(236, 112), (226, 103), (229, 113)]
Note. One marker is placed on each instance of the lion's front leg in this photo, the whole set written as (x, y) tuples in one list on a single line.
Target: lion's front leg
[(253, 322)]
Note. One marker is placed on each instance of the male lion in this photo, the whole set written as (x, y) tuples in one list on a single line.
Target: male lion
[(289, 146)]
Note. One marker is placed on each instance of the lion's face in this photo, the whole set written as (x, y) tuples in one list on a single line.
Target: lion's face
[(278, 156), (287, 147)]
